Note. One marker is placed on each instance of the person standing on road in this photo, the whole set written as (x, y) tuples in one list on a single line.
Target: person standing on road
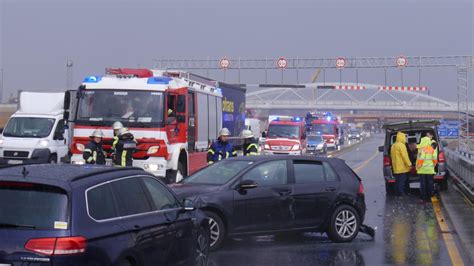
[(401, 164), (116, 126), (425, 166), (125, 148), (250, 146), (221, 149), (93, 152)]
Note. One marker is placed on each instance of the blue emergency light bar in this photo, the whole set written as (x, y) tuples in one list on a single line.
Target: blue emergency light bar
[(159, 80), (92, 79)]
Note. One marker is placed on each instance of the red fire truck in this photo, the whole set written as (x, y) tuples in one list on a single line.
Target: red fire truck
[(172, 116), (286, 136), (327, 127)]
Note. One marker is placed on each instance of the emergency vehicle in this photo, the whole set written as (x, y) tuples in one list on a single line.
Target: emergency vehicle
[(328, 127), (172, 116), (286, 136)]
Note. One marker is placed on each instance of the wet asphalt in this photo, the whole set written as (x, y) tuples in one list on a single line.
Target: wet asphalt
[(407, 232)]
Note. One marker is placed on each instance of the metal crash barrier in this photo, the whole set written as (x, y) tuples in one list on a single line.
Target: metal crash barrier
[(461, 168)]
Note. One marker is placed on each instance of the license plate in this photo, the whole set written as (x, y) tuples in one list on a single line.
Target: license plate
[(414, 185), (15, 162), (109, 163)]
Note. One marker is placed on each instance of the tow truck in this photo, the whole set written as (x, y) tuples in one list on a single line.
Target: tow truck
[(172, 114), (286, 135)]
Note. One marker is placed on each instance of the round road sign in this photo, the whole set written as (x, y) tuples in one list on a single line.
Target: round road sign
[(340, 62), (224, 63), (282, 63), (402, 61)]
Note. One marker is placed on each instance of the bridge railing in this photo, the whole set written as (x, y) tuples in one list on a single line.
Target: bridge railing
[(461, 167)]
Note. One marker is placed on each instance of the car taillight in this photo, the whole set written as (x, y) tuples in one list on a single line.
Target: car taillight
[(57, 246), (361, 188), (386, 161), (441, 157)]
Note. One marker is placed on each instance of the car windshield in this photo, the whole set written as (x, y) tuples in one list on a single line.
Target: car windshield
[(315, 139), (355, 132), (284, 131), (219, 173), (132, 108), (323, 128), (32, 205), (29, 127)]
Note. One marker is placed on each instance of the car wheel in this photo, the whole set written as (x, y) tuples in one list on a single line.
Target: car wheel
[(53, 159), (174, 176), (216, 230), (125, 263), (202, 246), (344, 225)]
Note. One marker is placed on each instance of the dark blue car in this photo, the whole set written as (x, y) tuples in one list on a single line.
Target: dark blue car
[(91, 215)]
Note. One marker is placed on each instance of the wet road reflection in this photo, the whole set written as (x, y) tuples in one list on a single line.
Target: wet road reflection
[(407, 231)]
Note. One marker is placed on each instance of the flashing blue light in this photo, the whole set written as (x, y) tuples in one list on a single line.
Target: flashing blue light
[(92, 79), (277, 119), (219, 90), (159, 80), (297, 119), (328, 118)]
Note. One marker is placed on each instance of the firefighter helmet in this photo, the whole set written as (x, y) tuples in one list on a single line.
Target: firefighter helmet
[(97, 134), (117, 125), (224, 132), (246, 134)]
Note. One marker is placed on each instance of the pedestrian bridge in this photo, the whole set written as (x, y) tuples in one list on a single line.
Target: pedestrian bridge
[(346, 96)]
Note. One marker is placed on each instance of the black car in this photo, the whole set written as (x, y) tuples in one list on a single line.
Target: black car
[(91, 215), (272, 194), (354, 134)]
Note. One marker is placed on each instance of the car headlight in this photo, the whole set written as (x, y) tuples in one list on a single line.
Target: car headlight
[(331, 140), (358, 136), (296, 147), (267, 147), (350, 135), (153, 149), (43, 143), (1, 142), (80, 147), (319, 147)]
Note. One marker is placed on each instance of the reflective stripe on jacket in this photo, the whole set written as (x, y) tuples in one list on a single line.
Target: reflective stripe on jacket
[(220, 151), (427, 157), (250, 148)]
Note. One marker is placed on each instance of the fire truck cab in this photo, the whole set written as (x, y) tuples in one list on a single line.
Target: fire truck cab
[(172, 118), (286, 136), (327, 127)]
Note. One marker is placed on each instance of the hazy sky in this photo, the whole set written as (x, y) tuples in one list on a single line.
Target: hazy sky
[(38, 36)]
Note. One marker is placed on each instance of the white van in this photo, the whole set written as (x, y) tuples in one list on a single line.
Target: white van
[(36, 132)]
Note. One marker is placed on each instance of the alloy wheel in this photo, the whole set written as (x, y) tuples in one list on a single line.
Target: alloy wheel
[(346, 224), (214, 230)]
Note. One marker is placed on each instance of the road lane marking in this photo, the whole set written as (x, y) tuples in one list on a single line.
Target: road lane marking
[(366, 162), (453, 251)]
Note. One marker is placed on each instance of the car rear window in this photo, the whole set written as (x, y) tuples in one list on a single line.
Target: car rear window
[(33, 205)]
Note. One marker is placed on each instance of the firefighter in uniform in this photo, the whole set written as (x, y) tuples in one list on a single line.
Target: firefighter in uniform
[(425, 166), (93, 152), (250, 146), (124, 148), (116, 126), (221, 149)]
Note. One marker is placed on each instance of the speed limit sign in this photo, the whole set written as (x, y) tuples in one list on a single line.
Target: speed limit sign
[(282, 63), (340, 63), (402, 61), (224, 63)]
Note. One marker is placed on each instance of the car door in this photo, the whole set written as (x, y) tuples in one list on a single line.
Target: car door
[(60, 140), (313, 192), (152, 232), (266, 207), (182, 248)]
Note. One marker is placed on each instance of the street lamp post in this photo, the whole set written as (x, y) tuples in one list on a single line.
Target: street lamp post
[(69, 74)]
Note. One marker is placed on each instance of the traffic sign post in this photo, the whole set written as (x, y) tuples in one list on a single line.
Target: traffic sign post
[(340, 63), (224, 63)]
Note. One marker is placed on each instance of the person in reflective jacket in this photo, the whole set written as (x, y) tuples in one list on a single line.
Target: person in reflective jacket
[(117, 126), (124, 148), (93, 152), (221, 149), (425, 166), (250, 146)]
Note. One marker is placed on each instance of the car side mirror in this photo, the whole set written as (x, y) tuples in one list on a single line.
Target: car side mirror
[(381, 148), (188, 205), (58, 136), (247, 184)]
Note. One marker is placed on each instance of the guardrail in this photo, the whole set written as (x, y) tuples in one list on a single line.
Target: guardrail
[(461, 168)]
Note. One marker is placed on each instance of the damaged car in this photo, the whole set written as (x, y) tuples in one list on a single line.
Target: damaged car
[(260, 195)]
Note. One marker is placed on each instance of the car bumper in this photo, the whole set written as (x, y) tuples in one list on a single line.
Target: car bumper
[(311, 152), (267, 152), (153, 165), (37, 156)]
